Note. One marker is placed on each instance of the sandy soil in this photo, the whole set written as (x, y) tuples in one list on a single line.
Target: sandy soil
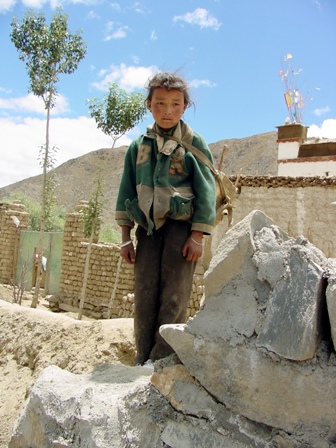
[(32, 339)]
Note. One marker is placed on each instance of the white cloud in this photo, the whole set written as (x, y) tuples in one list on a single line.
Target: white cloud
[(139, 8), (109, 26), (4, 90), (318, 4), (35, 3), (115, 31), (322, 111), (115, 6), (33, 104), (92, 15), (128, 78), (118, 33), (83, 2), (326, 130), (201, 82), (200, 17), (20, 141), (6, 5)]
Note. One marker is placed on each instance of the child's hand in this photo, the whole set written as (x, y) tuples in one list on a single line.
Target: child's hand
[(128, 253), (193, 247)]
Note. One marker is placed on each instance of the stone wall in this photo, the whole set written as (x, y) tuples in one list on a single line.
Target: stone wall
[(13, 219), (110, 284)]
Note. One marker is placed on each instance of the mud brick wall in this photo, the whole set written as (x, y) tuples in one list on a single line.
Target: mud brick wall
[(299, 205), (13, 219), (110, 283), (196, 298), (103, 280)]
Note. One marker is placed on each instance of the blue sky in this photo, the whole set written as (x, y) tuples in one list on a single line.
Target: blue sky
[(230, 51)]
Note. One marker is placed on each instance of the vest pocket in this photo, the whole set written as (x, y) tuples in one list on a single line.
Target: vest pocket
[(181, 208)]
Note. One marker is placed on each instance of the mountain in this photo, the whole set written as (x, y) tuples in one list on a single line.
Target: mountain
[(252, 156)]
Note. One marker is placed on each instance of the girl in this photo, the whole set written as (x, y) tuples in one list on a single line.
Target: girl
[(170, 195)]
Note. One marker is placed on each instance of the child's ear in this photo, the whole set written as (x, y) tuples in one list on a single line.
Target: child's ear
[(148, 104)]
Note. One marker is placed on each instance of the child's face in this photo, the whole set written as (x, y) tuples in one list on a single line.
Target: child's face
[(167, 107)]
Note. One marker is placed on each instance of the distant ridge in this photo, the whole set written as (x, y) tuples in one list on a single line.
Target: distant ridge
[(252, 156)]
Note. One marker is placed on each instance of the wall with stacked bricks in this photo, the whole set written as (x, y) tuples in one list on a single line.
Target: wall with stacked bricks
[(110, 286), (300, 206), (13, 219)]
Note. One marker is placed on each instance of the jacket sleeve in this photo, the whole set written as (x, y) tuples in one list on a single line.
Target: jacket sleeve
[(127, 188), (204, 187)]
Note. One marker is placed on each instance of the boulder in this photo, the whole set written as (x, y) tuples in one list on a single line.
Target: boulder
[(255, 367), (264, 315), (292, 327), (331, 304), (69, 410)]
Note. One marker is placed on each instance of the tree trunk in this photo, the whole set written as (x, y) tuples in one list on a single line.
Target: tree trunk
[(43, 216)]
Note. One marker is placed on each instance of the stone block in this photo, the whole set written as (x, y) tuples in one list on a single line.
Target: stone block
[(254, 344), (292, 327), (78, 410), (331, 305), (250, 383)]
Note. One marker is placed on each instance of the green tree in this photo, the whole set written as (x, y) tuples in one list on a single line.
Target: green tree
[(118, 112), (108, 234), (48, 52)]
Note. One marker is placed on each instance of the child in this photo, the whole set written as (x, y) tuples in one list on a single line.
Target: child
[(170, 195)]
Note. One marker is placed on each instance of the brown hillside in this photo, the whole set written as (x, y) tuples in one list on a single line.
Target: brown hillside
[(255, 155)]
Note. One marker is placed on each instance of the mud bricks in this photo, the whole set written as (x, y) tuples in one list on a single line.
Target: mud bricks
[(110, 284), (13, 219)]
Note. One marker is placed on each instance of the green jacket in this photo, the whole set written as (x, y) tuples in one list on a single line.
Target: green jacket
[(162, 179)]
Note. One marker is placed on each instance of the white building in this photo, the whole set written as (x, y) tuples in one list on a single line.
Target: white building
[(299, 156)]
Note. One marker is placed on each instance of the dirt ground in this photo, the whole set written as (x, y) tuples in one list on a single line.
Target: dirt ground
[(31, 339)]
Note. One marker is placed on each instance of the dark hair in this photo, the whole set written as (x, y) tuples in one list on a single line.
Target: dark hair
[(169, 81)]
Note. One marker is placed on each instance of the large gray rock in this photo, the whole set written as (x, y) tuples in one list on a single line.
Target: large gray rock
[(68, 410), (271, 286), (210, 424), (233, 256), (258, 367), (263, 311), (331, 302), (293, 325), (299, 398), (116, 406), (331, 299)]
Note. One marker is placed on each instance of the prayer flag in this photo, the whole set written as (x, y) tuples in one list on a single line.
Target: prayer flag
[(288, 99)]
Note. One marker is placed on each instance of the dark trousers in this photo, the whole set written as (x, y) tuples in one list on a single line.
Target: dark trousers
[(163, 284)]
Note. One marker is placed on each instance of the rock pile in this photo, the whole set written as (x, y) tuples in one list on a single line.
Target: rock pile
[(256, 366)]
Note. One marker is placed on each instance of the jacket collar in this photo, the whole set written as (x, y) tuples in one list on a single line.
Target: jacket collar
[(165, 145)]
